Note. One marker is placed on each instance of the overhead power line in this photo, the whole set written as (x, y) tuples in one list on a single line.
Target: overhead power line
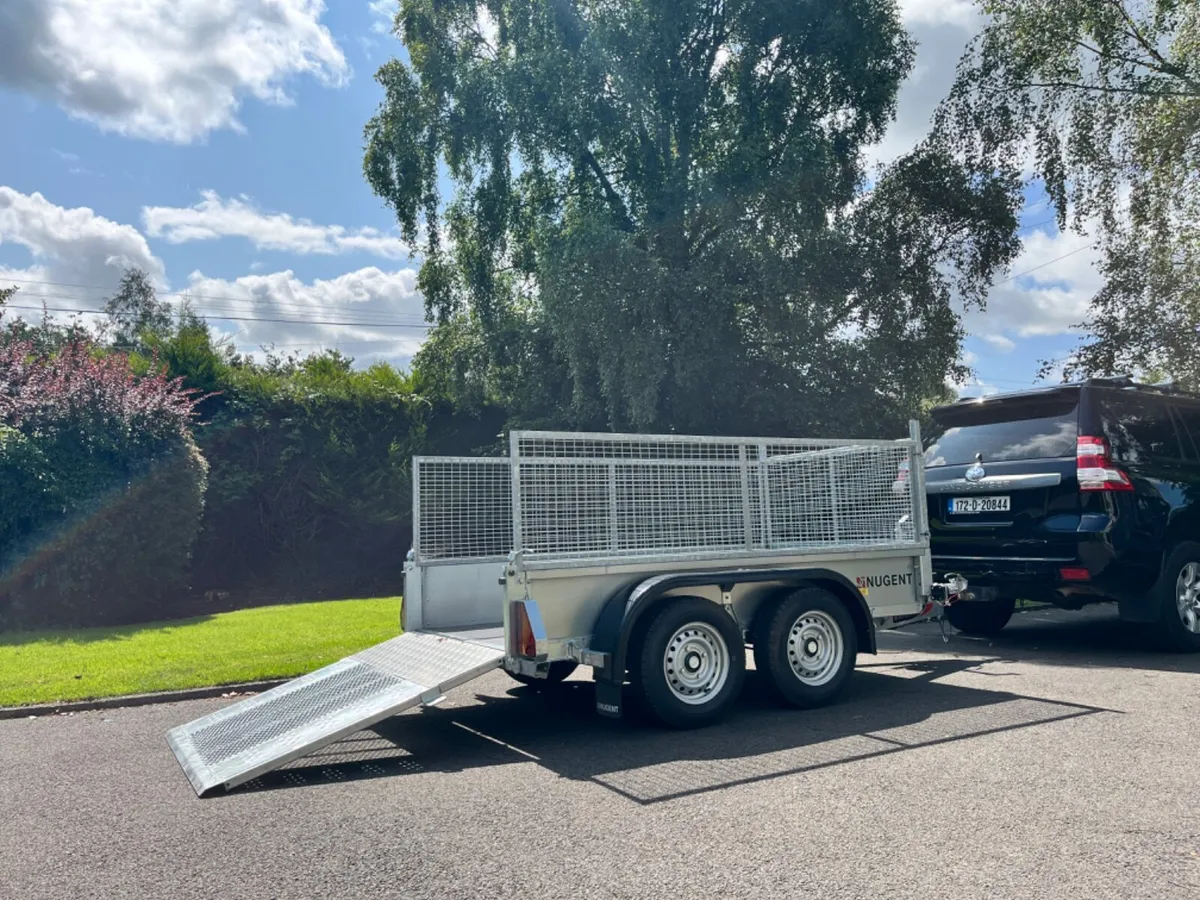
[(1042, 266), (185, 294), (279, 321), (284, 307)]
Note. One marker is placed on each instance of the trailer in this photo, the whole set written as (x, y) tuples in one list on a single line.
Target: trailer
[(656, 560)]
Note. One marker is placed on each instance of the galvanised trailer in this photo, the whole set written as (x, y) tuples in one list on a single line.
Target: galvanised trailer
[(656, 560)]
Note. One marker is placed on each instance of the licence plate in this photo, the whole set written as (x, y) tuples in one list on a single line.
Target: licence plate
[(966, 506)]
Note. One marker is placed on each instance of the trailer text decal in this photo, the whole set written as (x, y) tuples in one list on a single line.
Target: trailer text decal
[(869, 581)]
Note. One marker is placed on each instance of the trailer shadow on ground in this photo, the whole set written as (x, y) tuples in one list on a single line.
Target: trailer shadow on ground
[(886, 710)]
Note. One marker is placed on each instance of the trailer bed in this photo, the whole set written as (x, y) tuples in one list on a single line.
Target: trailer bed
[(244, 740)]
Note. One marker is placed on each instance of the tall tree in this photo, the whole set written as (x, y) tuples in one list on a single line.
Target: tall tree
[(658, 218), (135, 312), (1103, 96)]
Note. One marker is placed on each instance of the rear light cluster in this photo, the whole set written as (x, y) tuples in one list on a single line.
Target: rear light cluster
[(1094, 467), (524, 640)]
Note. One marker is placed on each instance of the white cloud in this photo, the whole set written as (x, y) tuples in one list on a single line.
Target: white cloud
[(215, 217), (973, 387), (962, 13), (164, 69), (941, 29), (76, 256), (1000, 342), (384, 13), (385, 308), (1050, 300)]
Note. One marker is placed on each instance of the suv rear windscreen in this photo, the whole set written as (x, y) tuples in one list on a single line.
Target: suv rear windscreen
[(1020, 428)]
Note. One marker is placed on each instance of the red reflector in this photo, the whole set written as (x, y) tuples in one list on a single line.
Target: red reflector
[(526, 643), (1075, 574)]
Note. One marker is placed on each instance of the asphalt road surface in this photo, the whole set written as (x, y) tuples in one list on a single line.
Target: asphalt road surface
[(1061, 759)]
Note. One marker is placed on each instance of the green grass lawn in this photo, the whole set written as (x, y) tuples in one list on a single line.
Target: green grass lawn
[(247, 645)]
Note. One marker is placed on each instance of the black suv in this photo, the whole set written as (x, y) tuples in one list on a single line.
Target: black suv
[(1071, 495)]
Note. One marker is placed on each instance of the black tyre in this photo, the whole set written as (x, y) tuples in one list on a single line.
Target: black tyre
[(1179, 618), (982, 617), (806, 646), (691, 663), (559, 672)]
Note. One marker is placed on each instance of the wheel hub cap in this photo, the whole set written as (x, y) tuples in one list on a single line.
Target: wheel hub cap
[(696, 663), (1187, 597), (815, 648)]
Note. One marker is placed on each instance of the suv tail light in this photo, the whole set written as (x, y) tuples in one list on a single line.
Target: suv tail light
[(1094, 467)]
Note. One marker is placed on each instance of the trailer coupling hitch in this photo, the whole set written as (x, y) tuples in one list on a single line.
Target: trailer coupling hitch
[(947, 593)]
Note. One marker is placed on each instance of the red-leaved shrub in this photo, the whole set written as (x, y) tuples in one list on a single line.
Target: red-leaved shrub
[(83, 537)]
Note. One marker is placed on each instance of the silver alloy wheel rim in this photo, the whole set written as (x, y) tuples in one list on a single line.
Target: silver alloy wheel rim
[(696, 663), (815, 648), (1187, 597)]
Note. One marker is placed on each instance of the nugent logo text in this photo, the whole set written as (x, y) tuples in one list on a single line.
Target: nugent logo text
[(896, 580)]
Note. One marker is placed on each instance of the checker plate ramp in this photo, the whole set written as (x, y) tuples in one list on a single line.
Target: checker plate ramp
[(241, 741)]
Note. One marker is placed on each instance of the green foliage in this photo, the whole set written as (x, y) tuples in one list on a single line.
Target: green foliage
[(310, 485), (1104, 98), (658, 220), (119, 555), (306, 463), (46, 336), (135, 313), (27, 492), (101, 485)]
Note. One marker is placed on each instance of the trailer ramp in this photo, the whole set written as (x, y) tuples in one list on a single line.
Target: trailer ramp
[(244, 740)]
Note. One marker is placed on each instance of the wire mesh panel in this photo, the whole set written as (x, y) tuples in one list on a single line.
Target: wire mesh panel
[(564, 445), (847, 495), (662, 506), (597, 496), (462, 508)]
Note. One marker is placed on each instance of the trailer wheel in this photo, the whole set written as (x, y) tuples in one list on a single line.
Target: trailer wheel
[(806, 647), (559, 672), (691, 664)]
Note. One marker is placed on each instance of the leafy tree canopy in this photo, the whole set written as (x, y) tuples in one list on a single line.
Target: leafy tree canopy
[(135, 313), (1103, 98), (658, 219)]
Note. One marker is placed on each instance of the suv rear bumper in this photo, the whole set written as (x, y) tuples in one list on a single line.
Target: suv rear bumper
[(1041, 578), (986, 570)]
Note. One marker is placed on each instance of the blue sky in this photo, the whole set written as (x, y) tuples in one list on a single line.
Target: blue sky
[(217, 143)]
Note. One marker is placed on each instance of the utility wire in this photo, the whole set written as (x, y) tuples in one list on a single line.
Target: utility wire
[(285, 307), (185, 293), (298, 306), (1042, 266), (101, 312)]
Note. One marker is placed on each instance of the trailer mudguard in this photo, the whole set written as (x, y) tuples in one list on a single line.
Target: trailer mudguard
[(619, 618)]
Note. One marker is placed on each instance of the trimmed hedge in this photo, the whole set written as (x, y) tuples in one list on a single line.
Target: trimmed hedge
[(120, 556), (117, 505), (101, 485), (310, 488)]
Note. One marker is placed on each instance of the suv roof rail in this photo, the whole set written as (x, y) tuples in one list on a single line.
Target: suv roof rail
[(1111, 381), (1126, 381)]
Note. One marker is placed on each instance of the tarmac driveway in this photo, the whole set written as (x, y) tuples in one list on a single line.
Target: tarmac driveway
[(1060, 760)]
